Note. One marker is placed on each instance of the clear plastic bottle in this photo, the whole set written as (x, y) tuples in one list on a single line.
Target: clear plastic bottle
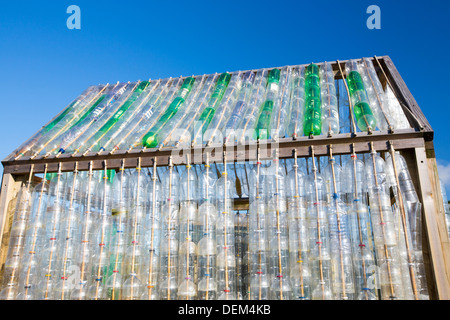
[(186, 126), (258, 235), (330, 112), (152, 238), (104, 105), (70, 233), (138, 127), (187, 254), (134, 269), (169, 241), (411, 226), (101, 238), (121, 119), (239, 109), (224, 110), (84, 249), (279, 120), (52, 220), (297, 103), (300, 272), (240, 233), (207, 250), (319, 240), (108, 119), (169, 133), (34, 239), (384, 230), (151, 139), (376, 96), (245, 132), (226, 260), (206, 116), (340, 245), (119, 212), (277, 227), (354, 184)]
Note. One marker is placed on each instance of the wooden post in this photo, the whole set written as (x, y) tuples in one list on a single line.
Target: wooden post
[(9, 191), (434, 222)]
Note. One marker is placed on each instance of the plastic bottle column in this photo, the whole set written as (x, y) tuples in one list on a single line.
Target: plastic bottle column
[(258, 242), (280, 114), (152, 138), (400, 197), (262, 126), (300, 272), (141, 123), (52, 222), (119, 212), (70, 228), (106, 122), (208, 113), (153, 231), (117, 123), (312, 124), (240, 107), (297, 92), (340, 247), (83, 250), (101, 238), (207, 215), (226, 260), (34, 237), (278, 232), (365, 268), (318, 233), (169, 133), (330, 113), (169, 241), (383, 227), (132, 286), (223, 110), (246, 127), (187, 254), (103, 104), (365, 119)]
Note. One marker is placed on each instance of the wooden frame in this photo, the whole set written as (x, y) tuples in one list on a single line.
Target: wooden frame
[(416, 145)]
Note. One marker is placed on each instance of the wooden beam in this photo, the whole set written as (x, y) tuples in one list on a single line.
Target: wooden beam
[(342, 144), (434, 222), (10, 189)]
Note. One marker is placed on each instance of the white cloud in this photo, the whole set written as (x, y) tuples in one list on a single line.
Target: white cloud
[(444, 174)]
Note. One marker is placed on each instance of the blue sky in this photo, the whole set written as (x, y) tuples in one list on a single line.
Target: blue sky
[(44, 65)]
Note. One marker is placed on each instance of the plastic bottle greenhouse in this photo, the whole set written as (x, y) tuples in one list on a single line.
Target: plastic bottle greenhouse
[(304, 182)]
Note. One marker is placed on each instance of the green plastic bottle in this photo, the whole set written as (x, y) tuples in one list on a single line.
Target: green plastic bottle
[(120, 112), (151, 138), (312, 124), (208, 113), (262, 126), (364, 117), (88, 112)]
